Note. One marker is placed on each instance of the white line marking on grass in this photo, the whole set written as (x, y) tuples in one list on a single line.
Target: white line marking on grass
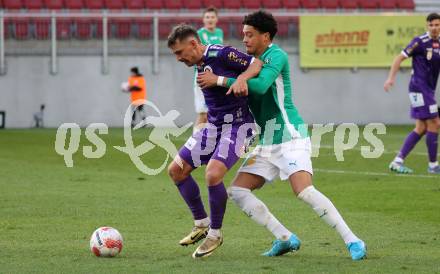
[(385, 152), (367, 173)]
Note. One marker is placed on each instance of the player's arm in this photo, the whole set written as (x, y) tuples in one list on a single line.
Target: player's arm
[(393, 71), (411, 49), (268, 74)]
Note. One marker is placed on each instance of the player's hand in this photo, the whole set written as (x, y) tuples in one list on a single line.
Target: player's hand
[(207, 79), (239, 88), (388, 84)]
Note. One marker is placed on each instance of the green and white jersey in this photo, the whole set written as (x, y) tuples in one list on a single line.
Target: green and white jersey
[(207, 37), (270, 100)]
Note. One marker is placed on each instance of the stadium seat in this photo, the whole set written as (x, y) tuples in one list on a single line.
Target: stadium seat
[(154, 4), (291, 4), (406, 4), (311, 4), (348, 4), (42, 28), (165, 26), (272, 4), (94, 4), (369, 4), (223, 23), (74, 4), (13, 4), (83, 28), (330, 4), (54, 4), (20, 26), (388, 4), (64, 28), (192, 4), (173, 4), (251, 4), (283, 26), (114, 4), (232, 4), (121, 26), (212, 3), (97, 23), (135, 4), (143, 27), (33, 4)]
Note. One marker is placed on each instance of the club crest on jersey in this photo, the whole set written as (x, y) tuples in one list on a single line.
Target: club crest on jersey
[(429, 54), (213, 53), (267, 60)]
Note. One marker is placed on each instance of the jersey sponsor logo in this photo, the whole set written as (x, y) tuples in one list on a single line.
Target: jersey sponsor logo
[(232, 56)]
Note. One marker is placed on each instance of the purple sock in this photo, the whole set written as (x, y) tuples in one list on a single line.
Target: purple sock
[(190, 192), (432, 143), (217, 202), (410, 141)]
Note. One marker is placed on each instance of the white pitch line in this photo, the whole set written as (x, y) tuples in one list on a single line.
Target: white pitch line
[(358, 149), (367, 173)]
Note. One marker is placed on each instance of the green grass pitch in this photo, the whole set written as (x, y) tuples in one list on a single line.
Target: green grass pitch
[(48, 212)]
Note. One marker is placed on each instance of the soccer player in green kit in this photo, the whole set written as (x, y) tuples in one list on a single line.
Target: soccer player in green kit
[(208, 34), (284, 150)]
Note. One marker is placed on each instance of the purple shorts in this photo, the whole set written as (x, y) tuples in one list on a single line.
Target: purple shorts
[(423, 105), (225, 143)]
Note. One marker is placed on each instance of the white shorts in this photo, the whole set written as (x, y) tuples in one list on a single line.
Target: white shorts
[(281, 160), (199, 99)]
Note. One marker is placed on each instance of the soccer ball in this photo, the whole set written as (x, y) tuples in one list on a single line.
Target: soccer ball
[(106, 242)]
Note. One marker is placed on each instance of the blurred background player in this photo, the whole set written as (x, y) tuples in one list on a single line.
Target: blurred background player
[(137, 88), (226, 115), (284, 150), (208, 34), (39, 117), (425, 53)]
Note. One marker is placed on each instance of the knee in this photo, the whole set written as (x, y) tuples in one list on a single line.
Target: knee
[(213, 176), (420, 129), (235, 193), (176, 173)]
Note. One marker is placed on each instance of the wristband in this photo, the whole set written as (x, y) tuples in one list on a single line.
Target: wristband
[(220, 81)]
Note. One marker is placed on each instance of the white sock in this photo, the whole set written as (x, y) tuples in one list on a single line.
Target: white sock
[(203, 222), (398, 160), (433, 164), (214, 233), (327, 212), (257, 211)]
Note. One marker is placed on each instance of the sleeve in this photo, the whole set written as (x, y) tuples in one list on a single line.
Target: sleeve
[(412, 48), (268, 74), (221, 35), (200, 34), (235, 59)]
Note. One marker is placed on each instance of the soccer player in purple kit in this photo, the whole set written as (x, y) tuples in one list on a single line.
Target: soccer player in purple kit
[(425, 53), (220, 139)]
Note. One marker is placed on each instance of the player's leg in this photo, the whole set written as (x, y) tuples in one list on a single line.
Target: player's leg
[(301, 183), (433, 126), (241, 193), (410, 142), (190, 192), (214, 174)]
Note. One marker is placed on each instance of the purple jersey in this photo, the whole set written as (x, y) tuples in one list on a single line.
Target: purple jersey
[(228, 62), (425, 53)]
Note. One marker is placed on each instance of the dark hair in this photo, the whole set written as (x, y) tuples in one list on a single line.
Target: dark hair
[(210, 9), (135, 70), (181, 32), (432, 16), (262, 21)]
